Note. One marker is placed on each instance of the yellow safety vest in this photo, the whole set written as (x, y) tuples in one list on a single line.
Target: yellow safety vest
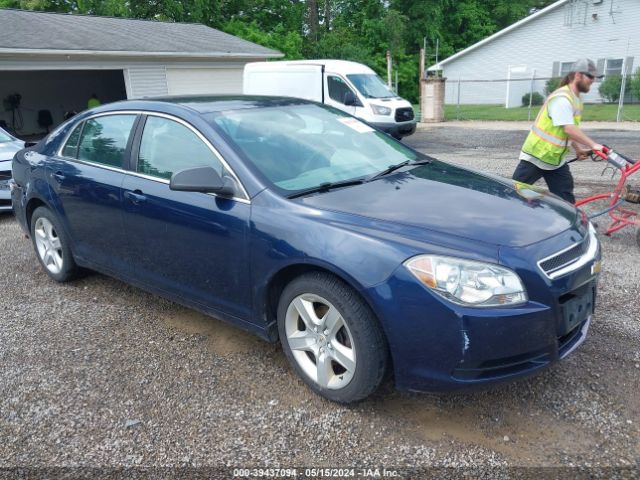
[(93, 103), (547, 142)]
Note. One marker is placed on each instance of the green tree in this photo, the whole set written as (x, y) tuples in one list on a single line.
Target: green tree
[(551, 86), (192, 11), (92, 7), (266, 14), (358, 30), (279, 38)]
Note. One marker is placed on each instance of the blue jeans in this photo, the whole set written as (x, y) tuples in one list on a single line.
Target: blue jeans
[(559, 181)]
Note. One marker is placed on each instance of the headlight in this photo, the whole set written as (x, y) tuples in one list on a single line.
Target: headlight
[(468, 283), (380, 110)]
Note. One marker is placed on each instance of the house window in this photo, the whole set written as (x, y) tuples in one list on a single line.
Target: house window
[(614, 67), (565, 68)]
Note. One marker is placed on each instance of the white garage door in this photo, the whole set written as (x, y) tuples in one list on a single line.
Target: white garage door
[(187, 81)]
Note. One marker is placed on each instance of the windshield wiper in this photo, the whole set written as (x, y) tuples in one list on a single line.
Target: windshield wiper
[(393, 168), (325, 187)]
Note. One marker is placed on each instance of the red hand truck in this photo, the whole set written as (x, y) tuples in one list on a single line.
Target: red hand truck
[(620, 216)]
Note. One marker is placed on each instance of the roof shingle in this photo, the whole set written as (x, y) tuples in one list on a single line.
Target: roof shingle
[(65, 32)]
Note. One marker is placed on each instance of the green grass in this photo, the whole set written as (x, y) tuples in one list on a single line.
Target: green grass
[(592, 113)]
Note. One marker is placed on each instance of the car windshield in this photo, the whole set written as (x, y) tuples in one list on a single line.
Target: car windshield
[(5, 137), (300, 147), (370, 85)]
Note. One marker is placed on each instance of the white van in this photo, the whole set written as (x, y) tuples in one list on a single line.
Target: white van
[(351, 87)]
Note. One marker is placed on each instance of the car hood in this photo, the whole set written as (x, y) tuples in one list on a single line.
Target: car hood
[(455, 201), (9, 149)]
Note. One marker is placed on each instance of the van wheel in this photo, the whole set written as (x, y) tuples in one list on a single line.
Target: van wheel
[(331, 338), (52, 246)]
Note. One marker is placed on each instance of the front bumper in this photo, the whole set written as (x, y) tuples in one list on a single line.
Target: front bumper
[(397, 130), (5, 196), (439, 346), (18, 202)]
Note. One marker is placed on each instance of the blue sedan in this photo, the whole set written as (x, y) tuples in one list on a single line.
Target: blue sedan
[(306, 226)]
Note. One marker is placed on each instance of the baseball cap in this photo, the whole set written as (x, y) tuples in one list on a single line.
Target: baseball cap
[(585, 65)]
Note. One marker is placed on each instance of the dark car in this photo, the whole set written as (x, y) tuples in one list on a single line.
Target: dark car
[(306, 226)]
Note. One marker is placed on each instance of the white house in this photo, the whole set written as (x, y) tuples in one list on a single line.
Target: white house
[(501, 68), (55, 62)]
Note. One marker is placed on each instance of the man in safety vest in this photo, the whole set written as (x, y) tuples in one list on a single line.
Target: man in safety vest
[(555, 129), (93, 101)]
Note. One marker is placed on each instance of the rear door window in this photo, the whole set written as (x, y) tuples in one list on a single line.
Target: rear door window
[(168, 147), (71, 147), (104, 139)]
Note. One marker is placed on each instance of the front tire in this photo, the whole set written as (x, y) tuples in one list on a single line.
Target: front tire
[(331, 338), (52, 246)]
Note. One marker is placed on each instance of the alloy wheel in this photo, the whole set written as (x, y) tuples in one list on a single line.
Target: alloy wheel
[(320, 341), (48, 245)]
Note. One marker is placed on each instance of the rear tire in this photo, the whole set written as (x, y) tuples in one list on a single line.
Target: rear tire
[(331, 338), (52, 246)]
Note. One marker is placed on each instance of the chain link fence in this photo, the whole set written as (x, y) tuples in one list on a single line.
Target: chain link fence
[(613, 98)]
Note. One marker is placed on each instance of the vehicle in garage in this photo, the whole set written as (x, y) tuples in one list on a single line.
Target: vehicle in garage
[(303, 224), (9, 145)]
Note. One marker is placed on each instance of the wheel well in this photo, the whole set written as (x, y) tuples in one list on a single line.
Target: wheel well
[(31, 207), (288, 274), (278, 284)]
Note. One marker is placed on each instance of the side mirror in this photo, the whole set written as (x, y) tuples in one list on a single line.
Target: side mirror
[(350, 99), (203, 180)]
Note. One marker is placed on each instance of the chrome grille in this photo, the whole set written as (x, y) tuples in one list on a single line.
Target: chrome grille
[(566, 257), (404, 114)]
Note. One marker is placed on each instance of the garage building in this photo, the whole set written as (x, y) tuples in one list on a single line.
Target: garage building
[(52, 63)]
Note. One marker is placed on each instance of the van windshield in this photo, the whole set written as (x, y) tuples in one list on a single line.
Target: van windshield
[(370, 85)]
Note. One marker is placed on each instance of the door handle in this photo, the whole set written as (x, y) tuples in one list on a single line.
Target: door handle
[(59, 176), (136, 197)]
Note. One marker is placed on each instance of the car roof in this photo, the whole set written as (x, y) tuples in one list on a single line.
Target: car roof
[(204, 104)]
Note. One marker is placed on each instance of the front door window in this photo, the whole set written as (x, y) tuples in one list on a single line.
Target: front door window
[(338, 88), (168, 147)]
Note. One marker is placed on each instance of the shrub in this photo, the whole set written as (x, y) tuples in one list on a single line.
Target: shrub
[(536, 99), (610, 88), (551, 86), (634, 84)]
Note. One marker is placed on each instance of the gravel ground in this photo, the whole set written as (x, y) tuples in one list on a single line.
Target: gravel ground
[(97, 374)]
